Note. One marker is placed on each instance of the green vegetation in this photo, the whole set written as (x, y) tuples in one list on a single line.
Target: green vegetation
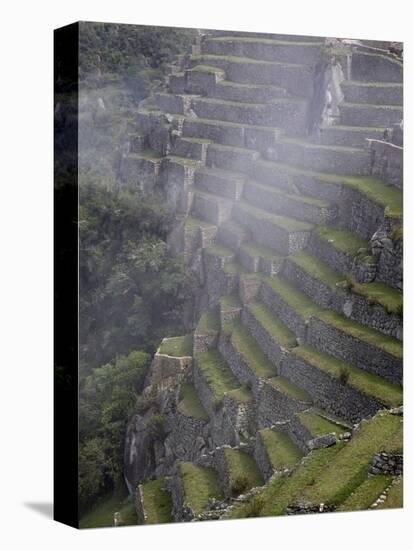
[(242, 395), (230, 301), (318, 425), (180, 346), (248, 347), (243, 471), (282, 452), (270, 41), (365, 494), (372, 106), (217, 374), (316, 269), (289, 389), (389, 394), (296, 299), (190, 404), (273, 325), (102, 514), (209, 58), (379, 293), (108, 399), (310, 145), (282, 489), (394, 497), (259, 251), (157, 502), (209, 321), (370, 336), (349, 468), (199, 485), (342, 239), (207, 69), (288, 224)]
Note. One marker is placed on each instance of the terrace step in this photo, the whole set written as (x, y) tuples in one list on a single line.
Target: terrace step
[(230, 133), (337, 248), (179, 104), (210, 208), (266, 49), (313, 428), (198, 485), (363, 114), (246, 93), (191, 148), (289, 304), (290, 38), (243, 355), (231, 158), (275, 452), (258, 258), (202, 79), (189, 403), (273, 337), (291, 204), (219, 182), (372, 67), (366, 493), (349, 136), (378, 93), (232, 235), (339, 387), (283, 112), (296, 78), (141, 167), (154, 502), (324, 158), (239, 471), (358, 345), (281, 234)]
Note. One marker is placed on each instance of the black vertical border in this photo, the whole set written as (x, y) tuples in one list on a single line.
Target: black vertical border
[(66, 298)]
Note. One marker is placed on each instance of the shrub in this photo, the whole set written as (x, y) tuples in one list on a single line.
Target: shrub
[(254, 507), (344, 375), (156, 427), (239, 485)]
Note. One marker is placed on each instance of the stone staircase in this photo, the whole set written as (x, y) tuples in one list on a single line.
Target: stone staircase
[(299, 332)]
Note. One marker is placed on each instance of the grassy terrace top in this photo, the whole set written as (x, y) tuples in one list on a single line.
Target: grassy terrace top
[(361, 332), (318, 425), (209, 321), (288, 224), (273, 325), (288, 388), (310, 145), (206, 58), (385, 392), (248, 39), (259, 251), (207, 69), (189, 404), (282, 452), (243, 471), (349, 467), (199, 484), (376, 190), (342, 239), (180, 346), (296, 299), (371, 84), (300, 198), (217, 373), (372, 106), (281, 490), (365, 494), (157, 502), (227, 123), (183, 160), (379, 293), (148, 154), (248, 347), (230, 301), (316, 269)]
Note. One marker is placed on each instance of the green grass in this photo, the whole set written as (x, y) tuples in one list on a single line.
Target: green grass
[(365, 494), (282, 452), (230, 301), (394, 497), (270, 41), (288, 224), (179, 346), (251, 352), (148, 154), (371, 84), (281, 491), (288, 388), (184, 161), (317, 146), (190, 404), (217, 374), (372, 106), (296, 299), (316, 269), (207, 69), (349, 467), (157, 502), (370, 336), (102, 514), (389, 394), (318, 425), (291, 196), (199, 484), (209, 322), (219, 250), (239, 59), (242, 467), (242, 395), (273, 325), (379, 293), (342, 239), (259, 251)]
